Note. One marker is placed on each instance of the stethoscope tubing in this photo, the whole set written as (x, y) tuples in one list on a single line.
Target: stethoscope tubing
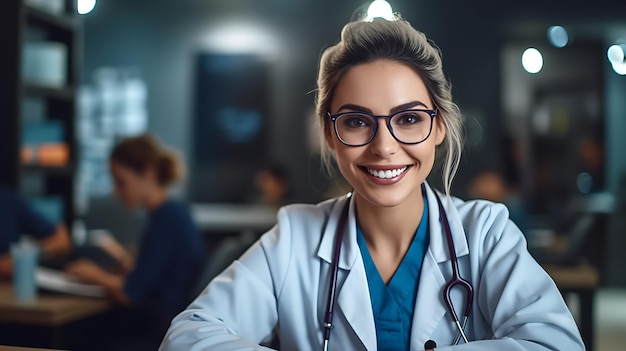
[(456, 280), (328, 317)]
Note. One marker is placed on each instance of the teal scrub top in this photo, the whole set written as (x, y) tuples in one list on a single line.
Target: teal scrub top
[(393, 304)]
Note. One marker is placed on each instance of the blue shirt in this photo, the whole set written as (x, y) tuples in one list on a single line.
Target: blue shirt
[(170, 257), (17, 217), (393, 304)]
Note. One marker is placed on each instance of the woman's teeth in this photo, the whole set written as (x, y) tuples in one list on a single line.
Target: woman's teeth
[(385, 174)]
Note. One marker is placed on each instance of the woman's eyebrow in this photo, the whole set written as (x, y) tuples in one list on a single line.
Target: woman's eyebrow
[(407, 106), (358, 108), (353, 107)]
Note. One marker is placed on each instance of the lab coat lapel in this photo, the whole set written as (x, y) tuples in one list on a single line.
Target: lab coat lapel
[(429, 304), (353, 298), (355, 304)]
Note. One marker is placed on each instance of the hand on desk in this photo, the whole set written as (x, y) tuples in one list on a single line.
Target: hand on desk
[(116, 250), (88, 272)]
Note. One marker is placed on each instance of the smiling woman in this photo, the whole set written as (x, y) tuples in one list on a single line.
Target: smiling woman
[(375, 269)]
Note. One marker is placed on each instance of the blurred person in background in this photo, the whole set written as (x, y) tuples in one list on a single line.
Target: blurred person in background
[(272, 185), (591, 153), (158, 283), (17, 218), (491, 185)]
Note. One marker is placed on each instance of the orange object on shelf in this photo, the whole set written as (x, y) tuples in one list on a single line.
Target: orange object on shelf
[(27, 154), (53, 154)]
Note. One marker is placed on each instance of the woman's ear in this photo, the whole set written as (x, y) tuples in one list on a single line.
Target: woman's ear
[(150, 173)]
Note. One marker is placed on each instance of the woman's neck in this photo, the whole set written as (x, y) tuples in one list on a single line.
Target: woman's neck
[(389, 229), (155, 198)]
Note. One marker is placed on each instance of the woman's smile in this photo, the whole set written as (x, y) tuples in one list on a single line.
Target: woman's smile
[(385, 175)]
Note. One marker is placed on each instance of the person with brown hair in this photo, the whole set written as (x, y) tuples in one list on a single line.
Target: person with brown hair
[(170, 256)]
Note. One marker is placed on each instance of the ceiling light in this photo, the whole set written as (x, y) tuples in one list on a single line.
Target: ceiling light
[(557, 36), (380, 8), (85, 6), (532, 60)]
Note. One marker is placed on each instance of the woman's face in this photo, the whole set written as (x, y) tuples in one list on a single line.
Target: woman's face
[(130, 186), (383, 87)]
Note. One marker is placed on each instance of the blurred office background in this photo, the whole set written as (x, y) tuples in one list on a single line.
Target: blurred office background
[(230, 84)]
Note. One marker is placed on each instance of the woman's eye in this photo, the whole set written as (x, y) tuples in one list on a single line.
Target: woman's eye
[(408, 118), (356, 122)]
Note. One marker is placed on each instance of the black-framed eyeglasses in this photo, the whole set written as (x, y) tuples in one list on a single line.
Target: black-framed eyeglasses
[(359, 128)]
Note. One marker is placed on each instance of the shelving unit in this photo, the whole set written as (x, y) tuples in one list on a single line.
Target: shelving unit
[(57, 102)]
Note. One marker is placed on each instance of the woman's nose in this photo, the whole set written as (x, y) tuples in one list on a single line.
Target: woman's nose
[(384, 143)]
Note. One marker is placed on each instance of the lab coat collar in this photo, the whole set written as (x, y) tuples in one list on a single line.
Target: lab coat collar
[(438, 243), (349, 246)]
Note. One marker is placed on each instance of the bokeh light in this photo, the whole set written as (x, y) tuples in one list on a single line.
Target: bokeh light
[(615, 53), (85, 6), (619, 68), (532, 60), (557, 36)]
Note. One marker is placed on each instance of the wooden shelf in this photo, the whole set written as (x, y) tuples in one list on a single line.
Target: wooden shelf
[(66, 170), (65, 93), (45, 19)]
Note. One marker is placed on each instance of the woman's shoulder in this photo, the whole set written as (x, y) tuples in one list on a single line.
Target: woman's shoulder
[(481, 216), (172, 213), (173, 207), (478, 208), (306, 212), (300, 224)]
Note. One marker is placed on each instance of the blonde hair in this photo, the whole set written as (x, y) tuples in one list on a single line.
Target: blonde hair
[(363, 42), (144, 151)]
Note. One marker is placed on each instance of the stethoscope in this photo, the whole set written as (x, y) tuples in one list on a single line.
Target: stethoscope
[(456, 280)]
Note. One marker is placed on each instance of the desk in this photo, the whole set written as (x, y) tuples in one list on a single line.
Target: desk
[(230, 217), (583, 280), (48, 311)]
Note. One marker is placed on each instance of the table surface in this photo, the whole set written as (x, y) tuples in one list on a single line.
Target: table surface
[(581, 276), (217, 217), (48, 309)]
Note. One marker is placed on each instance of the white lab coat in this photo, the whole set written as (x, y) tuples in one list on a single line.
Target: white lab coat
[(282, 281)]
